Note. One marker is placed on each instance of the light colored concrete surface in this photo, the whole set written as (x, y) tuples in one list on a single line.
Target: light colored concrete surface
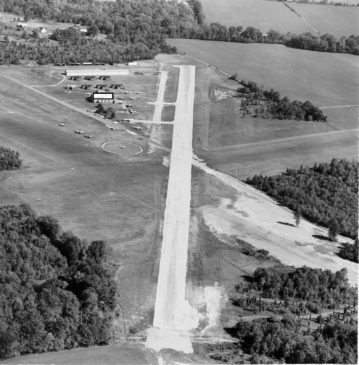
[(160, 97), (172, 311)]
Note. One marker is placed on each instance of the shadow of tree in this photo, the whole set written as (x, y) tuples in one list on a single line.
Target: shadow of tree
[(286, 224)]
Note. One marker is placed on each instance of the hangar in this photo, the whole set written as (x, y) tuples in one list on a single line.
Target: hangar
[(96, 72)]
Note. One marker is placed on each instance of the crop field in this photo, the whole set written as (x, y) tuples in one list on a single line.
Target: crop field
[(261, 14), (266, 15), (337, 20)]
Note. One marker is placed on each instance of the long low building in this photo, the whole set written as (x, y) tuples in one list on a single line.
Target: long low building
[(96, 72), (102, 97)]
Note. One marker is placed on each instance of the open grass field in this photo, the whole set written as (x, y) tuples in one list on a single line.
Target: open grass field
[(325, 79), (244, 147), (262, 14), (337, 20), (266, 15), (171, 85), (110, 355)]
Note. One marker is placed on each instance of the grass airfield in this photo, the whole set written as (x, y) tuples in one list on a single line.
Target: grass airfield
[(121, 198), (94, 193)]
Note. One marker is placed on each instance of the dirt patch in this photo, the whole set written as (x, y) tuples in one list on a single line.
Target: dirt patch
[(261, 227), (221, 94)]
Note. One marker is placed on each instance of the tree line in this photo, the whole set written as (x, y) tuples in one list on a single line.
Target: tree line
[(92, 50), (290, 337), (349, 251), (269, 104), (9, 159), (283, 341), (326, 194), (307, 41), (56, 291), (320, 289)]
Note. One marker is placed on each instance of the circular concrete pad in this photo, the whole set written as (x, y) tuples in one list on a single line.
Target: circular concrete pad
[(122, 148)]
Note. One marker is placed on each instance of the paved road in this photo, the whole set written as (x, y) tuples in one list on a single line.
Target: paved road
[(172, 311)]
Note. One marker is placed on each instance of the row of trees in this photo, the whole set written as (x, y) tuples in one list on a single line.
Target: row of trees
[(316, 286), (9, 159), (269, 104), (56, 292), (325, 194), (282, 341), (349, 251), (307, 41), (325, 43)]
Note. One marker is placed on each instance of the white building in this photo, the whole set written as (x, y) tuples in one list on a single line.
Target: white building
[(103, 97), (96, 72)]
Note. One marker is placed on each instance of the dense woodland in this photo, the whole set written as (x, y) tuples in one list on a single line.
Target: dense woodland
[(56, 292), (349, 251), (320, 288), (283, 340), (269, 104), (137, 29), (285, 335), (326, 194), (9, 159), (88, 50)]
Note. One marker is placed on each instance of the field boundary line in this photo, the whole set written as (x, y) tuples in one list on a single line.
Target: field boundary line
[(278, 140), (207, 64), (338, 106)]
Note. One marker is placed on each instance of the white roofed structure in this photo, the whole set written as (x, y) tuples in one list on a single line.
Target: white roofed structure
[(102, 97), (96, 72)]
